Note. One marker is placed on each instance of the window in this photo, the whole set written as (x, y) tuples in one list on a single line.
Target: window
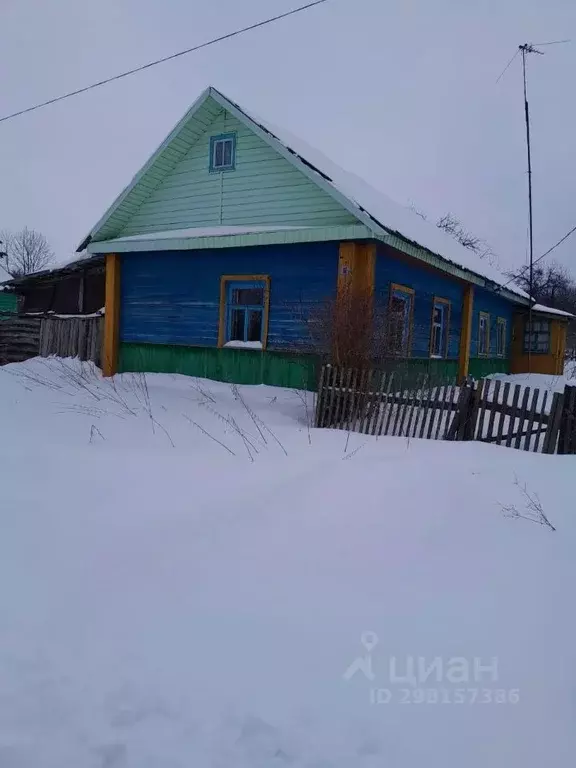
[(400, 310), (223, 152), (440, 326), (484, 334), (244, 303), (539, 340), (501, 337)]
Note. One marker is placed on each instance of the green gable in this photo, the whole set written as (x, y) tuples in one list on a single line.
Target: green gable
[(177, 190)]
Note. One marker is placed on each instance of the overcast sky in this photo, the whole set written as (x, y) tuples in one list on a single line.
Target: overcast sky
[(401, 91)]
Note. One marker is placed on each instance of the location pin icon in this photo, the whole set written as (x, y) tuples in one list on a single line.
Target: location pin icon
[(369, 640)]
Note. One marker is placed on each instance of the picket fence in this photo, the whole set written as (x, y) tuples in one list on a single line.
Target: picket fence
[(383, 403)]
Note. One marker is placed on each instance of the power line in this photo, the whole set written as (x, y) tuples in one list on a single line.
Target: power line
[(546, 253), (553, 42), (501, 75), (566, 236), (164, 59)]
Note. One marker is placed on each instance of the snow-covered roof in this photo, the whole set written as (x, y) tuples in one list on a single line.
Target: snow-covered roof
[(390, 215), (373, 208), (551, 310)]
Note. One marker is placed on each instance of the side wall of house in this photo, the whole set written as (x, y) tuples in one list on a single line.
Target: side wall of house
[(428, 284), (551, 363), (170, 310), (496, 307)]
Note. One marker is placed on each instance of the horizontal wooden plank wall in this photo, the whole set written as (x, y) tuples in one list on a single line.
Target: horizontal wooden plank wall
[(174, 297), (25, 336), (264, 188), (152, 177), (19, 338)]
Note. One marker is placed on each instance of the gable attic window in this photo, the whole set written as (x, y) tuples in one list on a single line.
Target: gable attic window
[(223, 152)]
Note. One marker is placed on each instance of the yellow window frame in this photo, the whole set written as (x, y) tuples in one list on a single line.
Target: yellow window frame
[(486, 316), (448, 304), (501, 322), (412, 294)]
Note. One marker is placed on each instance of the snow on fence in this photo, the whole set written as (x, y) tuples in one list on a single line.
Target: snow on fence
[(383, 403), (26, 336)]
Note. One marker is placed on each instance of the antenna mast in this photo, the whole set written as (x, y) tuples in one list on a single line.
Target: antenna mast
[(525, 50)]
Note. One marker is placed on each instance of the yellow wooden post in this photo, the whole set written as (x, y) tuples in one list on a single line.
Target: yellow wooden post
[(466, 333), (112, 317), (355, 292)]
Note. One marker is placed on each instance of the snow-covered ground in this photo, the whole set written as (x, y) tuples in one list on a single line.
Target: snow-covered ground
[(190, 577), (544, 382)]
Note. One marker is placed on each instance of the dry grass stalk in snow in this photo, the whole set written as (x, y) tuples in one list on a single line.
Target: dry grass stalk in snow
[(532, 511)]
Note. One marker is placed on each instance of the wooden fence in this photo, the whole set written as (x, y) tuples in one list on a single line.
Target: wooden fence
[(380, 403), (19, 338), (71, 337), (26, 336)]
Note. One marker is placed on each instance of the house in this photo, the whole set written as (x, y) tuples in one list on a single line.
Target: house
[(234, 233)]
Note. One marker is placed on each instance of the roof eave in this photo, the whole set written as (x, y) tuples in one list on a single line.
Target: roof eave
[(145, 168)]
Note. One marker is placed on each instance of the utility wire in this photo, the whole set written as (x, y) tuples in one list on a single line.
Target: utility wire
[(546, 253), (566, 236), (501, 75), (164, 59)]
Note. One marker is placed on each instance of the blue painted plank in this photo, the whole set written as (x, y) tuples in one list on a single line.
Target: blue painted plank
[(173, 297)]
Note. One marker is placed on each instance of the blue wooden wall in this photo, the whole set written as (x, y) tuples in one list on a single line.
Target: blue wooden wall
[(496, 306), (426, 283), (173, 297)]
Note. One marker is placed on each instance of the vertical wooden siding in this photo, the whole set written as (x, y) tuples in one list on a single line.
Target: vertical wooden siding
[(174, 297), (263, 189), (552, 363)]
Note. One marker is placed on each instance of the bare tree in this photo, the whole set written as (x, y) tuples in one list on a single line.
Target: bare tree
[(450, 224), (551, 285), (453, 227), (27, 251)]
